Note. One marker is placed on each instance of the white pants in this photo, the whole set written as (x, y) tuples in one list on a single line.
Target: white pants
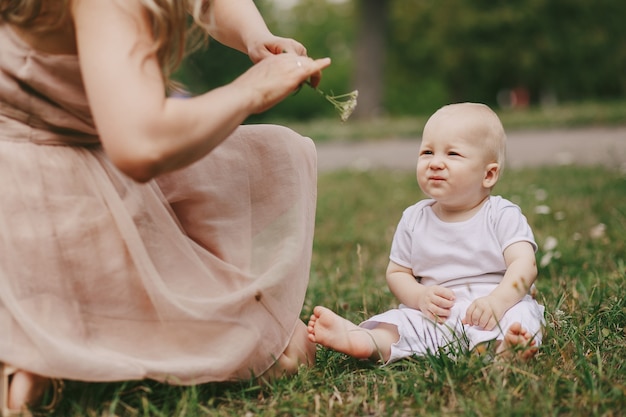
[(420, 335)]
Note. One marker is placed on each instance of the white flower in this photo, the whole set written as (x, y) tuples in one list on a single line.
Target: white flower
[(560, 318), (541, 194), (550, 244), (597, 231), (542, 209), (344, 103), (545, 260)]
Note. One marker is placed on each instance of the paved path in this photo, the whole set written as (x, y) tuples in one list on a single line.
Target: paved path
[(584, 146)]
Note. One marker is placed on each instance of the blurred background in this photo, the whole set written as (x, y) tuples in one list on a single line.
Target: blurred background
[(409, 57)]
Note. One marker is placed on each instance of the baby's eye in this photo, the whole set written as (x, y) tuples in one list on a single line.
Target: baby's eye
[(452, 153), (426, 152)]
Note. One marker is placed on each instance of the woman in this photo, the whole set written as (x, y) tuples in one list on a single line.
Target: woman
[(146, 236)]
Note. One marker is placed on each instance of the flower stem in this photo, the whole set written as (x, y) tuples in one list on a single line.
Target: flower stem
[(344, 103)]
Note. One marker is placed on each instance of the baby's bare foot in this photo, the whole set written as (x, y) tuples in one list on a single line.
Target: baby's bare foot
[(333, 331), (518, 341)]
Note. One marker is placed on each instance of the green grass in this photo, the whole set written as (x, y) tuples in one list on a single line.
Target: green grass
[(564, 115), (579, 370)]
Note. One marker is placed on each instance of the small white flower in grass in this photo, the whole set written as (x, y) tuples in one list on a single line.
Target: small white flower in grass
[(542, 209), (560, 319), (545, 259), (597, 231), (559, 216), (550, 244), (541, 194)]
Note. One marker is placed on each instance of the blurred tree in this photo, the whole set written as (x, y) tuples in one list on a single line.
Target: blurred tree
[(412, 56), (457, 50), (584, 48), (371, 43)]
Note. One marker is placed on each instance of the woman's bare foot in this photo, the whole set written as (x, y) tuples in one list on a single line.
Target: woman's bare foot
[(26, 389), (518, 341), (333, 331), (300, 351)]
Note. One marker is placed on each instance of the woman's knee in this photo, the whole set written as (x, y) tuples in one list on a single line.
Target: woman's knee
[(280, 140)]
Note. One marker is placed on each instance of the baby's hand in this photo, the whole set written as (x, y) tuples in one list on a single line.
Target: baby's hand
[(435, 302), (484, 312)]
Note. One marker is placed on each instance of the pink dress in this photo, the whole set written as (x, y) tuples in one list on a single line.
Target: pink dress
[(198, 276)]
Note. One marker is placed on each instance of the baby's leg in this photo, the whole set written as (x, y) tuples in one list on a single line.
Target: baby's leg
[(333, 331), (518, 341)]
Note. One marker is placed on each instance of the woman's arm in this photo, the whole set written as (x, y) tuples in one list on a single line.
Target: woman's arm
[(239, 25), (143, 132)]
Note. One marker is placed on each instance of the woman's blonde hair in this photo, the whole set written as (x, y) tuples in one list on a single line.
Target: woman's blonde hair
[(174, 32)]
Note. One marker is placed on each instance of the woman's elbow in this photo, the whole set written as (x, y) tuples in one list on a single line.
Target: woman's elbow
[(139, 173), (140, 164)]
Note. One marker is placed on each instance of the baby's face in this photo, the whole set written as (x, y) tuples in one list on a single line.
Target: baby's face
[(454, 162)]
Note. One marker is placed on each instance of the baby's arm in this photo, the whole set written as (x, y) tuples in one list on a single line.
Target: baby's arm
[(520, 274), (434, 301)]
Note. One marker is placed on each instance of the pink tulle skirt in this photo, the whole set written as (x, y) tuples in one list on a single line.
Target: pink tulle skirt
[(198, 276)]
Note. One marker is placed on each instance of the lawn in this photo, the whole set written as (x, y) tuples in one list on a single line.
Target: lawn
[(579, 219)]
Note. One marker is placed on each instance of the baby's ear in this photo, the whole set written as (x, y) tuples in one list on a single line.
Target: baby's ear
[(492, 173)]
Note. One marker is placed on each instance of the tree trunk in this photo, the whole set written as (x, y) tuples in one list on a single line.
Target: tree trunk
[(370, 56)]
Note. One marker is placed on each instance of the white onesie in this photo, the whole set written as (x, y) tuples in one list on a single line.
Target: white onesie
[(466, 257)]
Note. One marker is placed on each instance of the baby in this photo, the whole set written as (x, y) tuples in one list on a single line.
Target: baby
[(462, 262)]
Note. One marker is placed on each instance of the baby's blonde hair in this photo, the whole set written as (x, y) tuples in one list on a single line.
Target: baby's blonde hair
[(173, 34), (487, 124)]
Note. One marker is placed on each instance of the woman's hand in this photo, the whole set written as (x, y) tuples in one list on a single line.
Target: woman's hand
[(276, 76), (273, 45), (260, 49)]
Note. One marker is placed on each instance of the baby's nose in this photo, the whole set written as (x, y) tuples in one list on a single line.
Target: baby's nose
[(436, 162)]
